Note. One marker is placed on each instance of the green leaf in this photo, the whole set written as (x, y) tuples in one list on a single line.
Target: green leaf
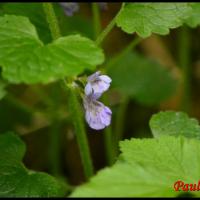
[(175, 124), (35, 13), (138, 77), (148, 18), (147, 168), (16, 180), (24, 58), (194, 18)]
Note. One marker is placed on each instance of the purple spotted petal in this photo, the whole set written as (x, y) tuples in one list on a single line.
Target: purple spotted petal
[(97, 115), (105, 78), (94, 76), (88, 89), (97, 84)]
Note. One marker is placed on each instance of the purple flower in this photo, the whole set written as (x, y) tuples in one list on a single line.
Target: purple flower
[(70, 8), (97, 84), (97, 115)]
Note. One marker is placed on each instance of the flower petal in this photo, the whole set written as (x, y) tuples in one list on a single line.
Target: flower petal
[(88, 89), (105, 78)]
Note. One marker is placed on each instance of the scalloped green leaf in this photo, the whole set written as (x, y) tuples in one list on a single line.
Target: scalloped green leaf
[(194, 19), (138, 77), (147, 168), (148, 18), (24, 58), (16, 180), (175, 124)]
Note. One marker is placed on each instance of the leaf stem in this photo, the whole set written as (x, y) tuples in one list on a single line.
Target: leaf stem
[(80, 133), (96, 19), (126, 50), (105, 32)]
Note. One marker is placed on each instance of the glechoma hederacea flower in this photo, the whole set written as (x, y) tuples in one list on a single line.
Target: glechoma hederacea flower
[(97, 115), (97, 84)]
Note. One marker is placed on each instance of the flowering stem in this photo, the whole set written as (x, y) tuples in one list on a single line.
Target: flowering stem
[(75, 107), (184, 62), (108, 140), (96, 19), (80, 133), (105, 32), (120, 119), (126, 50)]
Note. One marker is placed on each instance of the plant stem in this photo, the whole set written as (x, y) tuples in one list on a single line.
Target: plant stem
[(54, 151), (52, 20), (80, 133), (105, 32), (126, 50), (108, 140), (74, 103), (184, 61), (120, 119), (96, 19)]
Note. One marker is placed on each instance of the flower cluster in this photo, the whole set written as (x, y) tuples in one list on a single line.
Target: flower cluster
[(71, 7), (97, 115)]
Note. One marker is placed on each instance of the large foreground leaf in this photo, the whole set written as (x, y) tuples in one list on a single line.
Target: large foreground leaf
[(16, 180), (147, 168), (194, 19), (25, 59), (148, 18)]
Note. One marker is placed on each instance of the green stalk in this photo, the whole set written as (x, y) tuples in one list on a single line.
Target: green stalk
[(120, 119), (52, 20), (108, 140), (74, 103), (126, 50), (109, 147), (184, 62), (105, 32), (96, 19), (81, 136)]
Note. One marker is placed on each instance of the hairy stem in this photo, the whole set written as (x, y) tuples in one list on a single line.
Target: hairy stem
[(96, 20), (105, 32), (119, 123), (52, 20), (126, 50), (81, 136)]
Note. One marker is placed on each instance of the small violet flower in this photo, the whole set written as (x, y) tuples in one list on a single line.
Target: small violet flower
[(69, 7), (97, 84), (97, 115)]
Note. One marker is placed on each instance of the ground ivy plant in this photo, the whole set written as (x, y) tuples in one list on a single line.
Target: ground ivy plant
[(35, 48)]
